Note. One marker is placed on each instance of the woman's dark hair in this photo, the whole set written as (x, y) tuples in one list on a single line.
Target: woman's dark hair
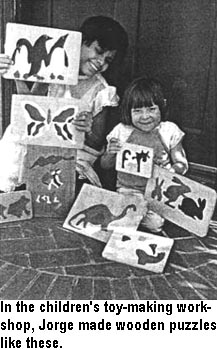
[(108, 32), (140, 93)]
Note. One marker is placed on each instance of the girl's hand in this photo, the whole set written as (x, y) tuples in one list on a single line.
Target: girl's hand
[(84, 121), (5, 63), (113, 146)]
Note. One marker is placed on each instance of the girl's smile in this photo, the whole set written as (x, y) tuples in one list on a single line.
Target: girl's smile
[(94, 60), (146, 118)]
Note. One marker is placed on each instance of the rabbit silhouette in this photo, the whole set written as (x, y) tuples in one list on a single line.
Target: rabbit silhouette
[(190, 208), (157, 191), (173, 192)]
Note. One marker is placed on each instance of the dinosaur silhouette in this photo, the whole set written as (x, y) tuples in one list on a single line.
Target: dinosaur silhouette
[(36, 53), (144, 258), (42, 161), (99, 214)]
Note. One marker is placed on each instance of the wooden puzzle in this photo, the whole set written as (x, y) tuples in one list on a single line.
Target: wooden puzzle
[(181, 200), (43, 54), (49, 173), (15, 206), (135, 159), (47, 121), (139, 249), (97, 212)]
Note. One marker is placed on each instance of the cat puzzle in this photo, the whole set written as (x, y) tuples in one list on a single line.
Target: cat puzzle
[(15, 206), (49, 173), (46, 121), (43, 54), (97, 212), (139, 249), (135, 159), (180, 200)]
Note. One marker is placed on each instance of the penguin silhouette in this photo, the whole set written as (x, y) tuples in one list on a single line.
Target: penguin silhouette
[(36, 53)]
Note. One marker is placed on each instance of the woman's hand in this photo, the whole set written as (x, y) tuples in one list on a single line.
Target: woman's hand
[(5, 63), (113, 146), (84, 121)]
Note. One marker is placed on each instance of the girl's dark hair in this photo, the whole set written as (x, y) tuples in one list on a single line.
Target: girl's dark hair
[(108, 32), (141, 92)]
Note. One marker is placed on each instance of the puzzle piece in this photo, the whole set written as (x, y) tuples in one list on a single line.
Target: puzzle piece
[(180, 200), (139, 249), (135, 159), (46, 121), (43, 54), (97, 212), (49, 173), (15, 206)]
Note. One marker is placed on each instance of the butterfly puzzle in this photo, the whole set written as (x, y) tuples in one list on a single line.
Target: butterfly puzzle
[(97, 212), (139, 249), (46, 121), (43, 54), (135, 159), (181, 200)]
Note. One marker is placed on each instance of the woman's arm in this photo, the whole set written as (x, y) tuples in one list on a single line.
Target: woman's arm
[(179, 160)]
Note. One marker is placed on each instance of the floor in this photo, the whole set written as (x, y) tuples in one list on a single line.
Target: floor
[(41, 260)]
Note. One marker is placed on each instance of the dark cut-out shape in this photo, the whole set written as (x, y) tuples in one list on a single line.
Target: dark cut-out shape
[(16, 74), (141, 156), (60, 77), (52, 76), (190, 208), (2, 211), (157, 191), (173, 192), (125, 238), (99, 214), (153, 247), (43, 161), (144, 258), (19, 207), (60, 121), (37, 53)]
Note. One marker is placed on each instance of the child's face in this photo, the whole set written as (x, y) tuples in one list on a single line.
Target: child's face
[(146, 118), (94, 60)]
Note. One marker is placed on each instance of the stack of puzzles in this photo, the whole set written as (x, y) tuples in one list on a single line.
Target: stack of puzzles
[(44, 125)]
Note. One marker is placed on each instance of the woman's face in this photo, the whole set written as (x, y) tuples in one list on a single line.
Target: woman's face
[(94, 60), (146, 118)]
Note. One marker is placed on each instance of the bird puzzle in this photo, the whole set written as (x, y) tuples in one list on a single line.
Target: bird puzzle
[(46, 121), (139, 249), (181, 200), (135, 159), (97, 212), (49, 173), (43, 54), (15, 206)]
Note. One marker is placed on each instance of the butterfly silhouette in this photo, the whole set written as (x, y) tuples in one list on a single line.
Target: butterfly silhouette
[(60, 121)]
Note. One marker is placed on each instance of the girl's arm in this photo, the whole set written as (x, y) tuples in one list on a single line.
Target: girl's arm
[(108, 159), (179, 160)]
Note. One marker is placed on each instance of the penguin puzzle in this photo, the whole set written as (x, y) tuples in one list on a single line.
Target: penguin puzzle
[(43, 54), (15, 206), (139, 249), (46, 121), (180, 200), (97, 212), (49, 173), (135, 159)]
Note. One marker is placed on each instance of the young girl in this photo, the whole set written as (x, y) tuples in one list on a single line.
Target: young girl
[(143, 107), (104, 41)]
